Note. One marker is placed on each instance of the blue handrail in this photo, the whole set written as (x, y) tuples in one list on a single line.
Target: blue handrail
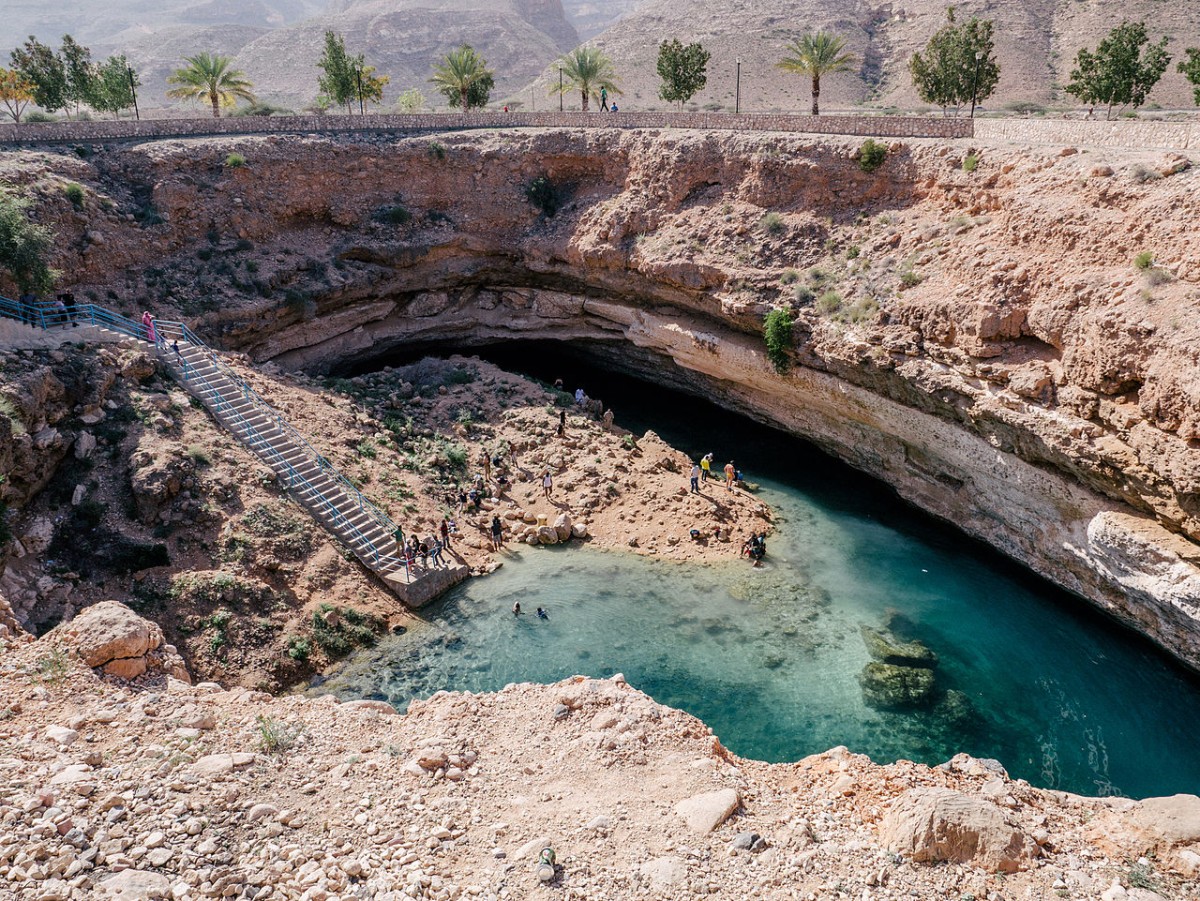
[(170, 340)]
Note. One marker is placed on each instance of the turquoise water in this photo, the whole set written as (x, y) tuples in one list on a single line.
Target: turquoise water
[(770, 658)]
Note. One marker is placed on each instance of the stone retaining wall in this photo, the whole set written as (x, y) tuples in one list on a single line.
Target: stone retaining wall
[(112, 130), (1128, 134)]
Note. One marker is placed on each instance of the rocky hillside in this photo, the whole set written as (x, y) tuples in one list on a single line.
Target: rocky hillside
[(160, 789), (1036, 44)]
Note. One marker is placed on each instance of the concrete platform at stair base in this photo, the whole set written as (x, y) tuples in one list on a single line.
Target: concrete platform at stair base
[(427, 585)]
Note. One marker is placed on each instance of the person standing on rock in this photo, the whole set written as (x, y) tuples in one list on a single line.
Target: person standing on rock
[(706, 466), (696, 478), (562, 423), (730, 472), (547, 483), (497, 533), (444, 528)]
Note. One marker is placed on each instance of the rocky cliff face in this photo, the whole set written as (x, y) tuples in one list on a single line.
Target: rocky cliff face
[(989, 342)]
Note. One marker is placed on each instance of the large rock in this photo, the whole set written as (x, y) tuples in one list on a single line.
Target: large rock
[(931, 825), (134, 885), (547, 535), (562, 526), (887, 648), (111, 631), (889, 686), (704, 813), (112, 636)]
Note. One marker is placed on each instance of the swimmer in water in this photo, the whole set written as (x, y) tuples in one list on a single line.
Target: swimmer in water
[(542, 614), (517, 609)]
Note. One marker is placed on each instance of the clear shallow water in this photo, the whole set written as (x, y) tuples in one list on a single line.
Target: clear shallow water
[(770, 658)]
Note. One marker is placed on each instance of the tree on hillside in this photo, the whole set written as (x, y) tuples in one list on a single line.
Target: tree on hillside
[(23, 246), (43, 68), (79, 70), (814, 55), (15, 93), (958, 66), (208, 77), (112, 86), (1190, 68), (683, 70), (589, 71), (1122, 70), (464, 78), (337, 81), (411, 101)]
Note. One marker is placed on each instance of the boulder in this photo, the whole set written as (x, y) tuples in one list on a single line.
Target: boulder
[(888, 649), (219, 764), (562, 526), (888, 686), (704, 813), (111, 631), (579, 530), (932, 825), (547, 535), (134, 885)]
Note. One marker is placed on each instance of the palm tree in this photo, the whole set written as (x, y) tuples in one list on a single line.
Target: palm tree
[(816, 55), (588, 70), (207, 76), (460, 70)]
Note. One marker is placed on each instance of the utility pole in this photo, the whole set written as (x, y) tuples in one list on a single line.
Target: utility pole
[(133, 91), (358, 79), (560, 90)]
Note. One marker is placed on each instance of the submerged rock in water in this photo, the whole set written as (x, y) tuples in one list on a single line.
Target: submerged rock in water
[(886, 685), (887, 648)]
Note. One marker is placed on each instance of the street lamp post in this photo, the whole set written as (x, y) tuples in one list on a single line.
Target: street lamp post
[(133, 91), (737, 91), (975, 81), (358, 80), (560, 90)]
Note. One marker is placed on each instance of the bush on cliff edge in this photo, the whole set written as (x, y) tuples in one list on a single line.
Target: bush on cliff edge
[(777, 332)]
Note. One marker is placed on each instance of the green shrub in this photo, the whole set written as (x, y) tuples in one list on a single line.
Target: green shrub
[(298, 648), (1143, 260), (803, 295), (437, 150), (393, 215), (366, 448), (829, 302), (235, 161), (198, 455), (259, 108), (544, 195), (276, 737), (350, 629), (772, 224), (909, 278), (871, 155), (53, 667), (853, 252), (39, 116), (74, 194), (789, 277), (970, 161), (456, 454), (777, 332), (863, 310)]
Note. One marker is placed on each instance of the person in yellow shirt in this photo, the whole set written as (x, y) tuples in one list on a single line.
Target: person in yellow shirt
[(705, 467)]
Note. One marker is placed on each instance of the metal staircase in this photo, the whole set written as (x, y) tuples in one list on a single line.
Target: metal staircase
[(307, 476)]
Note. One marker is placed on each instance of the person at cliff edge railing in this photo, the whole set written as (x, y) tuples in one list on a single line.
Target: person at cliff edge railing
[(148, 326), (69, 300)]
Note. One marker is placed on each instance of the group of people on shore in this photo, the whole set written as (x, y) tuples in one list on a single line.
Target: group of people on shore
[(425, 551), (702, 472)]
